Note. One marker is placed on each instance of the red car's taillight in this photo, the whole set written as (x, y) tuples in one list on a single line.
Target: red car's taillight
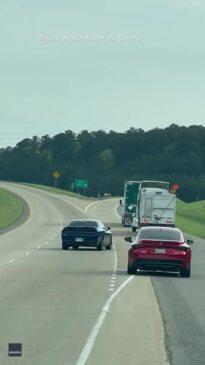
[(184, 248)]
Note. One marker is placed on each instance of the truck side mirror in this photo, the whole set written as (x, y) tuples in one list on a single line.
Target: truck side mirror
[(128, 239)]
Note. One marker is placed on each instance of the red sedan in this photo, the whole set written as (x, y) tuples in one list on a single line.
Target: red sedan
[(161, 249)]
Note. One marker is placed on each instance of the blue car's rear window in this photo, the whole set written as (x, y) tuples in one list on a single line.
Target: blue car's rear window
[(84, 224)]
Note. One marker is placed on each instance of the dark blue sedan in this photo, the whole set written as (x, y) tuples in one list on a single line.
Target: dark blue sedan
[(86, 233)]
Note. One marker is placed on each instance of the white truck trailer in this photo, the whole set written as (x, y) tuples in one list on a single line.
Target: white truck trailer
[(155, 207)]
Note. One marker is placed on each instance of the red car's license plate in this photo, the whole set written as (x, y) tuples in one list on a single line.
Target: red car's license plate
[(160, 250)]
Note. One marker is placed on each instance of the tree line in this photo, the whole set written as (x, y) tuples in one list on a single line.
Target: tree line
[(106, 159)]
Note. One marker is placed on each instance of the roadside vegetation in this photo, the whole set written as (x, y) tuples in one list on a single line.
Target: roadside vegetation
[(107, 159), (11, 208), (190, 217)]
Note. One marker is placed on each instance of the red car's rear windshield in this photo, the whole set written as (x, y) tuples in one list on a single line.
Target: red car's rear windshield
[(153, 234)]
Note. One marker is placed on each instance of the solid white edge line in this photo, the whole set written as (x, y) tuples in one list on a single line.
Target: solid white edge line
[(68, 202), (96, 202), (90, 205), (116, 212), (87, 349)]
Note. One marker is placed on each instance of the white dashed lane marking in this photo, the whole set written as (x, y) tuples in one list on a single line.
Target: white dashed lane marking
[(11, 261)]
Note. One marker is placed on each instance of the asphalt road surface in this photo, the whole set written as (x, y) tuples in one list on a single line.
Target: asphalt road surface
[(182, 303), (80, 307), (182, 306), (73, 307)]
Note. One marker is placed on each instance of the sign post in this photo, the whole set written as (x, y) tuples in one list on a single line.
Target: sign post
[(56, 175), (72, 186)]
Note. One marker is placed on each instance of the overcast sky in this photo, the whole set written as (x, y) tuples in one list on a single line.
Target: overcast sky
[(153, 79)]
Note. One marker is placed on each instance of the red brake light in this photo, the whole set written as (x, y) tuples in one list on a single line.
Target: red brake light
[(184, 248)]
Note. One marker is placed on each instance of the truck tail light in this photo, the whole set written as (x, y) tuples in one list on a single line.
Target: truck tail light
[(145, 220)]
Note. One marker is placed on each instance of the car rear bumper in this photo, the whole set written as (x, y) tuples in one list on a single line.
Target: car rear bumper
[(159, 264), (85, 243)]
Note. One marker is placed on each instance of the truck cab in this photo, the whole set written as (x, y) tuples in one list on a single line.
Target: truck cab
[(131, 190)]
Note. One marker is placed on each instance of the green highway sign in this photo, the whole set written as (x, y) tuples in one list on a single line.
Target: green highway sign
[(81, 184)]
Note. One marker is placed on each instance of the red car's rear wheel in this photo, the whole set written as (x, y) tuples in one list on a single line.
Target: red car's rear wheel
[(131, 270), (185, 273)]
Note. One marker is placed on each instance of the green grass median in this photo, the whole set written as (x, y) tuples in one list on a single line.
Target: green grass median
[(11, 208), (190, 217)]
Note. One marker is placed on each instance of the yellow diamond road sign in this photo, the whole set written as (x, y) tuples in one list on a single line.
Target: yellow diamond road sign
[(56, 174)]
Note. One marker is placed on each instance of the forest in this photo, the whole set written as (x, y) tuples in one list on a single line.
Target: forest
[(106, 159)]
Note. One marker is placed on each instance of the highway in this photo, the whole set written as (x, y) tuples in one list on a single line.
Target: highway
[(182, 303), (73, 307), (81, 307)]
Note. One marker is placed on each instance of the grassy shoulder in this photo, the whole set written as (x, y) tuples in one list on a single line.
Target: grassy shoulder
[(190, 217), (11, 208)]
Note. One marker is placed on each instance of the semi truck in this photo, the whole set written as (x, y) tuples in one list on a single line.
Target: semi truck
[(155, 207), (131, 189)]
